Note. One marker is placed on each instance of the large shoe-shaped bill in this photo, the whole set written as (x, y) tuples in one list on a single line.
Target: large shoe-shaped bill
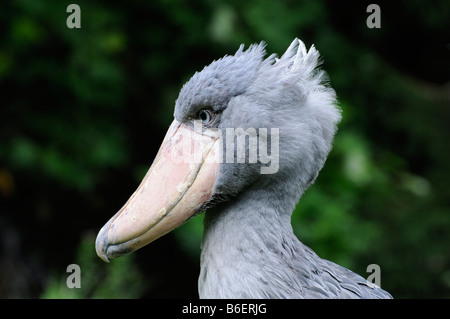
[(179, 182)]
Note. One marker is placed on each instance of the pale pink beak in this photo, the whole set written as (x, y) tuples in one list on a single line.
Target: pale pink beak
[(179, 182)]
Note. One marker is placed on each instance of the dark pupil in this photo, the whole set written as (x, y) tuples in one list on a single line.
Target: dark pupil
[(204, 116)]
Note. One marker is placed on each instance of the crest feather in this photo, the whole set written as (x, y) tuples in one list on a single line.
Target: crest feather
[(300, 60)]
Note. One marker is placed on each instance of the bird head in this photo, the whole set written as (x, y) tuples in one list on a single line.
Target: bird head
[(243, 120)]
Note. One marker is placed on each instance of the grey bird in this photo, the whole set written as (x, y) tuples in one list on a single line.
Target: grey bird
[(250, 135)]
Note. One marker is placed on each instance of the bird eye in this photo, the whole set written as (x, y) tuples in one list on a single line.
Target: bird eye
[(206, 116)]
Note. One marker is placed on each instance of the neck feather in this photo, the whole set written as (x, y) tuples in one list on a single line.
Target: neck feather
[(248, 243)]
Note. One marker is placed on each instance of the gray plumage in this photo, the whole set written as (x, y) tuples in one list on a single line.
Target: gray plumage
[(249, 249)]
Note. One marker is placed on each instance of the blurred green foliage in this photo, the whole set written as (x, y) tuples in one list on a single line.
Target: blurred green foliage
[(83, 112), (98, 280)]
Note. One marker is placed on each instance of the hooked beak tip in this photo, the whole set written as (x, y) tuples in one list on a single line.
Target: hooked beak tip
[(101, 246)]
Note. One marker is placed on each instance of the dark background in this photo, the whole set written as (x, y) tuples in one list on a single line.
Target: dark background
[(83, 112)]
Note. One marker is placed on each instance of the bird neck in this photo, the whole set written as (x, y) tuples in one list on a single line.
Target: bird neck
[(245, 241)]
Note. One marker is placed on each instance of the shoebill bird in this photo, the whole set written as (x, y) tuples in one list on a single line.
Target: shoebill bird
[(250, 135)]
